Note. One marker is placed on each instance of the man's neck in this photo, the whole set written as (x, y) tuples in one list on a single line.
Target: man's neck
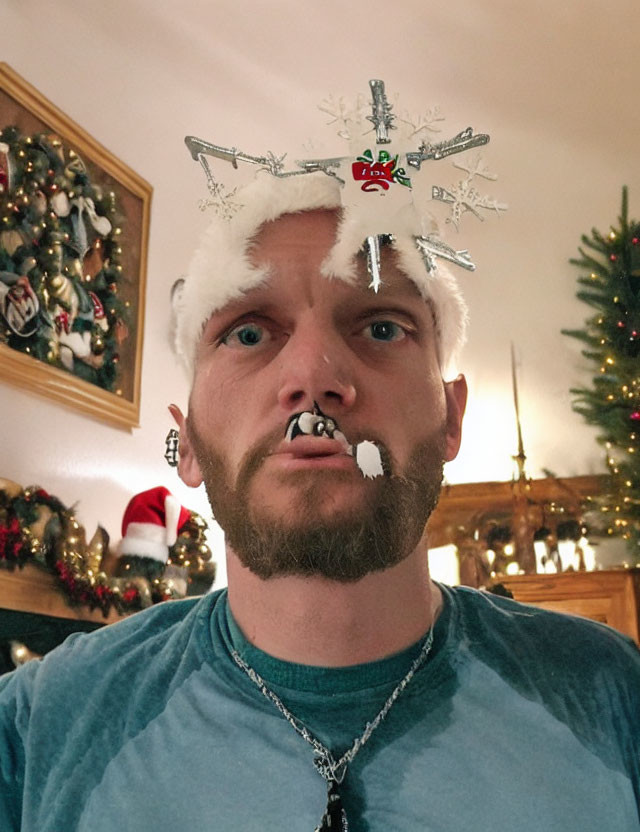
[(331, 624)]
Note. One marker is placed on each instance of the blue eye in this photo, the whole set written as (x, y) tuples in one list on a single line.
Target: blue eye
[(245, 335), (385, 331)]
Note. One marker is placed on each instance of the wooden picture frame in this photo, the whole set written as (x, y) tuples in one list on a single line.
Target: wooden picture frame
[(23, 107)]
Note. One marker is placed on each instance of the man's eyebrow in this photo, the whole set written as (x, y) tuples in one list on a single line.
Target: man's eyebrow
[(238, 310), (419, 317), (385, 307), (253, 302)]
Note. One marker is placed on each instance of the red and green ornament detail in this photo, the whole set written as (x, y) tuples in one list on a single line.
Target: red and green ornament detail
[(379, 174)]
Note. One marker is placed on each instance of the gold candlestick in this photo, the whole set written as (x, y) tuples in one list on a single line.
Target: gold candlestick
[(522, 528)]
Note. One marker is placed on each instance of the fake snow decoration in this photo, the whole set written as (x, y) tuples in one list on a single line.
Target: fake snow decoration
[(368, 459)]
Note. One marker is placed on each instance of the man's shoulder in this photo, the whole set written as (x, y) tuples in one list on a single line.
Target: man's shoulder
[(158, 635), (154, 625), (553, 640), (584, 673)]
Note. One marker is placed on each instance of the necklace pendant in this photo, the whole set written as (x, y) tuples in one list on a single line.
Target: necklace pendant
[(329, 770), (335, 817), (338, 772)]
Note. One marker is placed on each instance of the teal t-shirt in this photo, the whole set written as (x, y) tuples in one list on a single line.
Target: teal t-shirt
[(519, 720)]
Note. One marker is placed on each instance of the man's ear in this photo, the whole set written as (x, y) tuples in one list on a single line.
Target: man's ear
[(188, 467), (456, 397)]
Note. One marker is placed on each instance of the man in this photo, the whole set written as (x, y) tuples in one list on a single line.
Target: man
[(333, 686)]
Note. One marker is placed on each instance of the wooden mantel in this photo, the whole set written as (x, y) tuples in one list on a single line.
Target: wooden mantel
[(462, 505), (33, 590)]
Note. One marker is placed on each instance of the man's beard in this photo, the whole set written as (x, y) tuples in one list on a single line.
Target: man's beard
[(343, 545)]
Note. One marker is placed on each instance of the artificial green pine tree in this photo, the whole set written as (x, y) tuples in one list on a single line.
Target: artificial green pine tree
[(611, 286)]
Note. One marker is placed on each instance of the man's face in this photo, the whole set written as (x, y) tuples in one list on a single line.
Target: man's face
[(369, 361)]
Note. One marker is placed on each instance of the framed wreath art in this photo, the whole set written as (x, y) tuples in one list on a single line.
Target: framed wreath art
[(74, 225)]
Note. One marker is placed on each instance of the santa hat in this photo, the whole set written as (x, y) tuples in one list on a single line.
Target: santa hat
[(151, 523), (386, 192)]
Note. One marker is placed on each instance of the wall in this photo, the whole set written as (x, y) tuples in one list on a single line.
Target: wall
[(554, 87)]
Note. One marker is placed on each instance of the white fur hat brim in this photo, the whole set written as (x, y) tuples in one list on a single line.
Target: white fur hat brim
[(145, 540), (221, 269)]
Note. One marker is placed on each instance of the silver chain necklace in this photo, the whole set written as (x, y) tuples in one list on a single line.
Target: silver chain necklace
[(333, 771)]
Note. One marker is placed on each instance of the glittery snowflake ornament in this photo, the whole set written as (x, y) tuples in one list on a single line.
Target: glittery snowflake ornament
[(375, 171), (387, 183)]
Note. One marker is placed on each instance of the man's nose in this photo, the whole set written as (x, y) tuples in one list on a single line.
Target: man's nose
[(316, 367)]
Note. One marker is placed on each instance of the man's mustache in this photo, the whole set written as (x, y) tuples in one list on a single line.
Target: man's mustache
[(313, 423), (371, 455)]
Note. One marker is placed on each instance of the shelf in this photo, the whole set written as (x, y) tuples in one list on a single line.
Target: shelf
[(33, 590), (464, 505)]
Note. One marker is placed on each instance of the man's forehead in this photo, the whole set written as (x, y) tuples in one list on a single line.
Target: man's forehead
[(316, 221), (275, 289), (307, 238)]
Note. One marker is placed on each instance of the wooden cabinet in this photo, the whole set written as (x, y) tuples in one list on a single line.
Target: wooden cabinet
[(465, 513), (611, 597)]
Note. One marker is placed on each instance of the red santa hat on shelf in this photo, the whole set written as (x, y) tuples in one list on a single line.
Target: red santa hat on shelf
[(151, 524)]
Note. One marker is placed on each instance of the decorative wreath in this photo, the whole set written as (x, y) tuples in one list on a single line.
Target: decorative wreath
[(60, 259)]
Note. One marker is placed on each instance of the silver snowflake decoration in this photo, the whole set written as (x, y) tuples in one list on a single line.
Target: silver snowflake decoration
[(346, 116), (370, 168), (426, 122), (382, 116), (431, 246), (463, 196), (274, 164), (220, 200)]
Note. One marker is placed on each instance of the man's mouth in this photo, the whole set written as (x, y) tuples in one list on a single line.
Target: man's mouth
[(314, 423), (318, 435)]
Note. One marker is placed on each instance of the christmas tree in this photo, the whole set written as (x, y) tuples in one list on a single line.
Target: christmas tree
[(610, 284)]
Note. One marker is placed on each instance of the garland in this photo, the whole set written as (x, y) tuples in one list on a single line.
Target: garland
[(37, 528)]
